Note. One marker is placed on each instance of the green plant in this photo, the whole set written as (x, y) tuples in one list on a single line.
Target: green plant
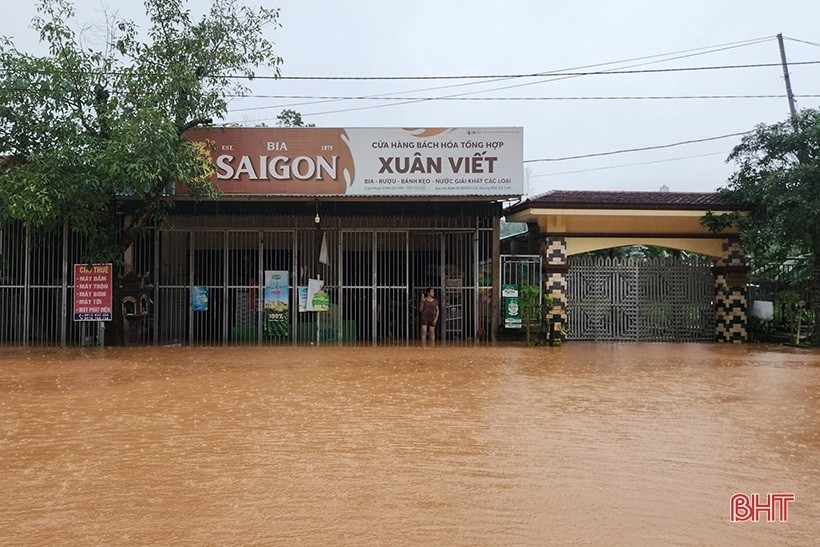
[(761, 330), (529, 300), (795, 313)]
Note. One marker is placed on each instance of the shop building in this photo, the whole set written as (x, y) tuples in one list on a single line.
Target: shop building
[(325, 236)]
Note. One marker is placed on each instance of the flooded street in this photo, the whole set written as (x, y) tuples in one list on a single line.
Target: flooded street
[(590, 443)]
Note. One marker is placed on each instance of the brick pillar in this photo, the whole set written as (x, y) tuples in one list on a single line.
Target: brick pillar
[(554, 274), (731, 307)]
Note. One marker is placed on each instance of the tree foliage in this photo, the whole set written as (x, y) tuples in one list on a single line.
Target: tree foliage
[(89, 133), (777, 182), (291, 118)]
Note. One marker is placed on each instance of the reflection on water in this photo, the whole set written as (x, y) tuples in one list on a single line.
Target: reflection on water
[(591, 443)]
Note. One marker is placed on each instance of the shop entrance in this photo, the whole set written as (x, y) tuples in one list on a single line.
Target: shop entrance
[(374, 280), (385, 273)]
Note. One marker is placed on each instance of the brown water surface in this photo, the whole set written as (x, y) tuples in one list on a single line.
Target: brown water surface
[(638, 444)]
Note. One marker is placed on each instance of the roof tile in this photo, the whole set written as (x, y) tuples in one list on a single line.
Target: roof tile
[(580, 199)]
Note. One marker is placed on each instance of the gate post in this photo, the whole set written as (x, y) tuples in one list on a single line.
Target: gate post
[(730, 293), (554, 279)]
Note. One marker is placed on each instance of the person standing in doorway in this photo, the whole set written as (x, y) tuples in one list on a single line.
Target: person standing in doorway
[(429, 308)]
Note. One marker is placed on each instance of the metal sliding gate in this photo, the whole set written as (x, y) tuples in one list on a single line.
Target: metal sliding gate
[(229, 268), (384, 275), (374, 302), (642, 300), (374, 279)]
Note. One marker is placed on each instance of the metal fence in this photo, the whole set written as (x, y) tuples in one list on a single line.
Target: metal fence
[(666, 299), (37, 285), (787, 286), (521, 271), (374, 271), (768, 280)]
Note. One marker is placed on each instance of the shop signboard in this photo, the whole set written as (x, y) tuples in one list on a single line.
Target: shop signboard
[(267, 161), (511, 306), (276, 303), (93, 292)]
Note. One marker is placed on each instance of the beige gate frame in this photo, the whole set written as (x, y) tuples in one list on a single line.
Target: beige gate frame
[(573, 222)]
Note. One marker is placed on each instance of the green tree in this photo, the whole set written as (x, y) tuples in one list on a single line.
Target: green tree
[(778, 183), (92, 134), (291, 118)]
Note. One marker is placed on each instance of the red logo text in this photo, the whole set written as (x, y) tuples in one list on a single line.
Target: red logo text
[(771, 508)]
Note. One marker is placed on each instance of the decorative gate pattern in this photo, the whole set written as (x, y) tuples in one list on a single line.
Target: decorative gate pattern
[(643, 300)]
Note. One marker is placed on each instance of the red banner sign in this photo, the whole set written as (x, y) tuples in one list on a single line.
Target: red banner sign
[(92, 292)]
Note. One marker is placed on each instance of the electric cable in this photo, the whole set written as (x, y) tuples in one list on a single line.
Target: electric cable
[(606, 168), (555, 98), (641, 149), (680, 54)]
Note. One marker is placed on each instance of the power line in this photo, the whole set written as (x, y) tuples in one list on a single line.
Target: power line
[(627, 165), (802, 41), (491, 77), (554, 98), (556, 75), (657, 147), (559, 72), (623, 69), (529, 75), (559, 75), (657, 58)]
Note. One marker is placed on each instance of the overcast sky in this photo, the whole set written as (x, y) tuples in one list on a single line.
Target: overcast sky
[(379, 38)]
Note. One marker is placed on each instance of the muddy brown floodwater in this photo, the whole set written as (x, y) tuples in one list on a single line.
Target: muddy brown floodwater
[(634, 444)]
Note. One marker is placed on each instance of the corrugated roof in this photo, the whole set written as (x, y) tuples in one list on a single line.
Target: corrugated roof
[(581, 199)]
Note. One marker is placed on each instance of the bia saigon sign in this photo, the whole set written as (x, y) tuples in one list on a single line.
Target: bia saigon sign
[(364, 161)]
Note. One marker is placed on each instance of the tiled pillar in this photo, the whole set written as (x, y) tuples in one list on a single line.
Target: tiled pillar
[(731, 307), (554, 275)]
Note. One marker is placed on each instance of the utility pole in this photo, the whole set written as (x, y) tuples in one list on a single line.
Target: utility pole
[(789, 93)]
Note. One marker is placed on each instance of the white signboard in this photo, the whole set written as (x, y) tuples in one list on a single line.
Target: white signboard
[(364, 161)]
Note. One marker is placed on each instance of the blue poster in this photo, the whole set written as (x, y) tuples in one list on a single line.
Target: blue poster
[(199, 298), (303, 291)]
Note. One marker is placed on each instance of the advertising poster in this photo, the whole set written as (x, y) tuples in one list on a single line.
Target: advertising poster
[(363, 161), (315, 299), (511, 306), (276, 314), (199, 298), (321, 301), (303, 299), (92, 292)]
